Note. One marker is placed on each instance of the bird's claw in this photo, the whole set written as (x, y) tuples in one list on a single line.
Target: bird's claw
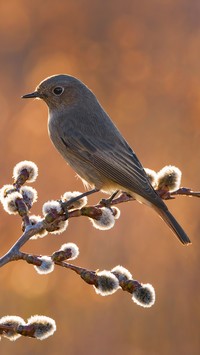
[(107, 201)]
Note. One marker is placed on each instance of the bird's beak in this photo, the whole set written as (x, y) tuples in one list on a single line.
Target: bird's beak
[(32, 95)]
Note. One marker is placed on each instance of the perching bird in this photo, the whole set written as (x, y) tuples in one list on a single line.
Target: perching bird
[(90, 142)]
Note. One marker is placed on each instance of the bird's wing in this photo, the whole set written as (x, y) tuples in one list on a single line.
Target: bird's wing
[(116, 161)]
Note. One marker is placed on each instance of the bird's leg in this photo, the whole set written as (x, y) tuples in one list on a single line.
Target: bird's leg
[(107, 201), (66, 205)]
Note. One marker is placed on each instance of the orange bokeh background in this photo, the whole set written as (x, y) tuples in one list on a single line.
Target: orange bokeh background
[(141, 59)]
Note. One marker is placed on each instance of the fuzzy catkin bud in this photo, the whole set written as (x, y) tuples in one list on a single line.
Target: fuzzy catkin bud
[(29, 166), (29, 195), (46, 266), (73, 249), (76, 204), (144, 296), (169, 178), (107, 283), (34, 220), (152, 176), (13, 321), (51, 207), (122, 273), (9, 203), (105, 221), (44, 326), (5, 191), (51, 210), (60, 227)]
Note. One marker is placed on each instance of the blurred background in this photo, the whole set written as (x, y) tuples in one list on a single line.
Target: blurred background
[(141, 59)]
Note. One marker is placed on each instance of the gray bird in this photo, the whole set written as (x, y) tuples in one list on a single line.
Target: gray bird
[(91, 144)]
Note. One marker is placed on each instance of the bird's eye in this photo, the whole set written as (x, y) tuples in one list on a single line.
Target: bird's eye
[(58, 90)]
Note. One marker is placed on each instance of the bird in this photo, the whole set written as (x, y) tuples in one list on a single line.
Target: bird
[(89, 141)]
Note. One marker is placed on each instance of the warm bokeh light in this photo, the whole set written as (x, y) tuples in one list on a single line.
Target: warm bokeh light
[(142, 61)]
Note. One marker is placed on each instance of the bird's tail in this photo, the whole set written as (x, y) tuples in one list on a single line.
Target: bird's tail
[(173, 225)]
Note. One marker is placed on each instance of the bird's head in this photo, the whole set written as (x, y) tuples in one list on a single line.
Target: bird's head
[(60, 91)]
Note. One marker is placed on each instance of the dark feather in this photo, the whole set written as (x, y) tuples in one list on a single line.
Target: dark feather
[(120, 165)]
